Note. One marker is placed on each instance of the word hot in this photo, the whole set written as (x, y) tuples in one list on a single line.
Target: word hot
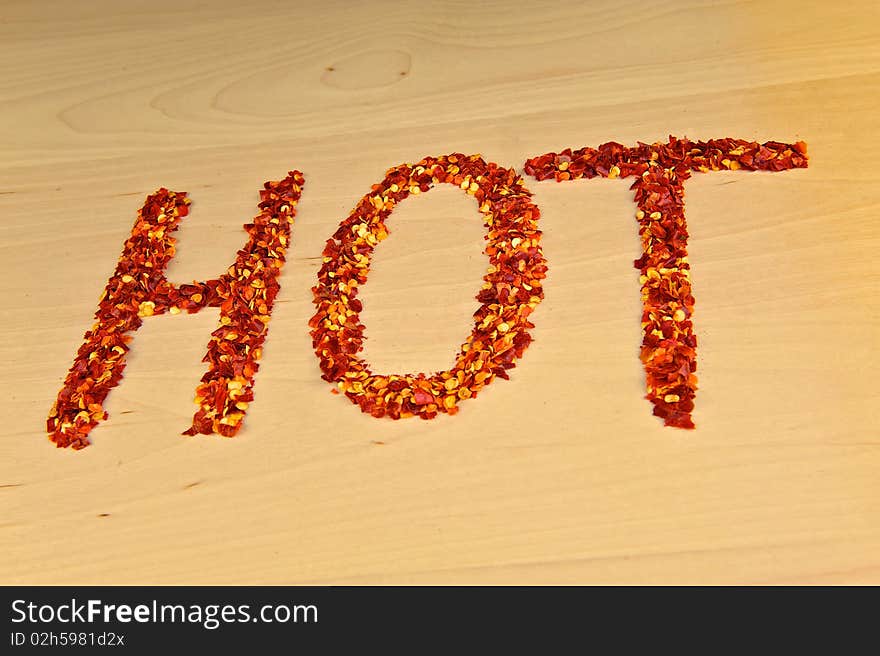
[(511, 289)]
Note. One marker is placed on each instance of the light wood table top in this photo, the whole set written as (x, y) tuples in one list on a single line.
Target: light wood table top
[(560, 475)]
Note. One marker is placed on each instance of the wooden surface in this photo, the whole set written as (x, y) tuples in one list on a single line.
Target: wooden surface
[(560, 475)]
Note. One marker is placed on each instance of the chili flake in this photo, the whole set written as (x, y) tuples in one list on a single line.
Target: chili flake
[(510, 292), (669, 345), (138, 288)]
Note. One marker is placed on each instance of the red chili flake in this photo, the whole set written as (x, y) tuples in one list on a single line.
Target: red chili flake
[(138, 288), (669, 345), (511, 290)]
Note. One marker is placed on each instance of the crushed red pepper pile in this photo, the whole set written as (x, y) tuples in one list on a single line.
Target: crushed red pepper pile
[(138, 288), (669, 344), (511, 290)]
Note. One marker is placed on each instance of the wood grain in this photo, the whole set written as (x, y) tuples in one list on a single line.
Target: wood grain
[(560, 475)]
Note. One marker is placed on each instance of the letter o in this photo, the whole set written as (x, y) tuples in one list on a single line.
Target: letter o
[(511, 290)]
